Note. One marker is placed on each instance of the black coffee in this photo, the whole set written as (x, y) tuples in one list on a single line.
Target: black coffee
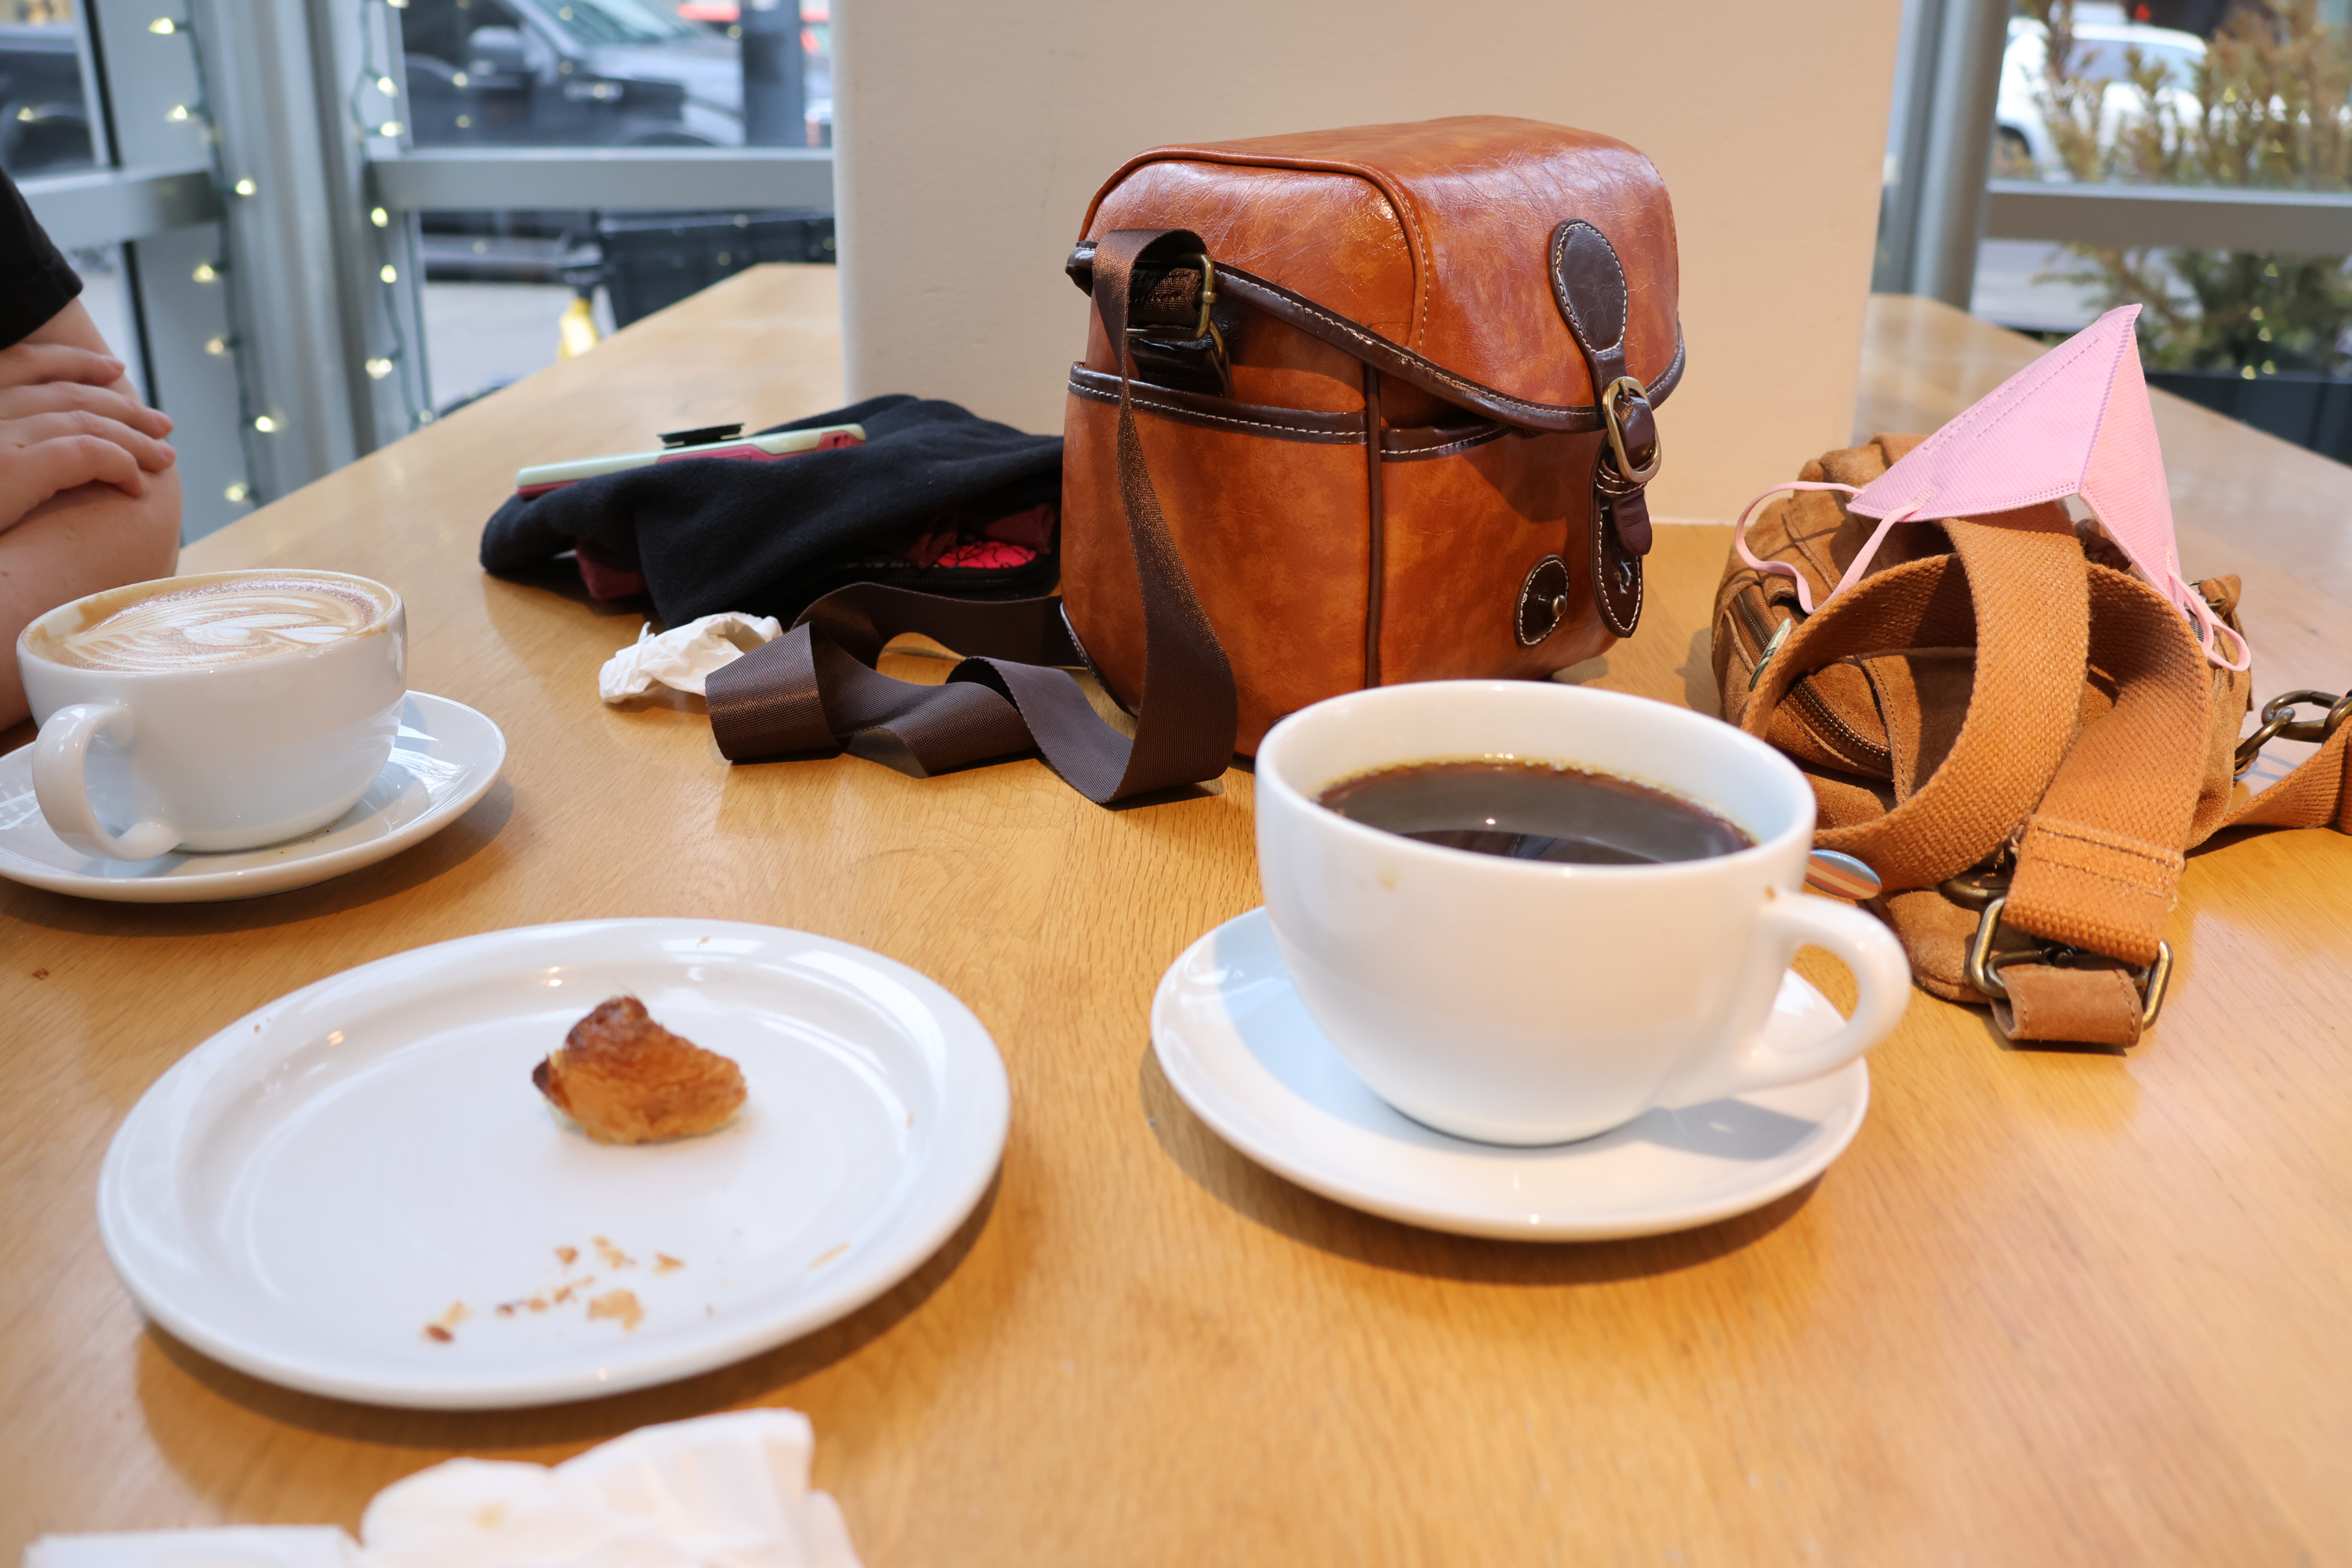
[(1534, 811)]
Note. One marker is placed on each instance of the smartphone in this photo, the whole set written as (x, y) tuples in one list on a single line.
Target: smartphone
[(713, 441)]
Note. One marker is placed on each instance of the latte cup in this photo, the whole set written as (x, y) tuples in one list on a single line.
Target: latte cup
[(1531, 1002), (206, 713)]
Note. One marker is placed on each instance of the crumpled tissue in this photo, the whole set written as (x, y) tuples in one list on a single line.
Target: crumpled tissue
[(719, 1491), (683, 657)]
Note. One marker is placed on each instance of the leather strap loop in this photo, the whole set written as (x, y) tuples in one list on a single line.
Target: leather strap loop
[(2084, 1006), (816, 688), (1588, 283)]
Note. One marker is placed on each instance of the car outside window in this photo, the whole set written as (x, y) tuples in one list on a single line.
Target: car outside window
[(623, 22)]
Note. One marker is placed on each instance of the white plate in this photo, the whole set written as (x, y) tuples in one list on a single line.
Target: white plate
[(1240, 1047), (444, 758), (308, 1191)]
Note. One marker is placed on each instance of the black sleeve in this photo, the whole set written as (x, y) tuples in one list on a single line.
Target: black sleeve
[(34, 281)]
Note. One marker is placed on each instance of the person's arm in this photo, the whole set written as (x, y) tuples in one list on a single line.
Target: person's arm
[(107, 507)]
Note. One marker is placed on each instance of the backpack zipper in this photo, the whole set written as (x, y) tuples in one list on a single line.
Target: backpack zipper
[(1815, 710)]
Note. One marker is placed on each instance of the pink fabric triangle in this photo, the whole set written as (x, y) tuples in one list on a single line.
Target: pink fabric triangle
[(2075, 422)]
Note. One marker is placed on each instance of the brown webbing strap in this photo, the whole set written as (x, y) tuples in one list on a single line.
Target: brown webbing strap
[(2004, 590), (815, 688)]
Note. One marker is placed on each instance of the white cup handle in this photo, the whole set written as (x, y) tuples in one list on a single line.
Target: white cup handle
[(60, 759), (1881, 972)]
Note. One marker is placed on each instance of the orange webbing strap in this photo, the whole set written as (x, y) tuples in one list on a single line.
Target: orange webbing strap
[(2318, 794), (2099, 865), (2103, 1005), (2016, 591)]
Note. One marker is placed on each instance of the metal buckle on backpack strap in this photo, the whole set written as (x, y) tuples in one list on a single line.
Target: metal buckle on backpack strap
[(2279, 722), (1611, 422), (1984, 966)]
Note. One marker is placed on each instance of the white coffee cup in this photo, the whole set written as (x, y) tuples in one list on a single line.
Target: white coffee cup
[(1534, 1002), (261, 744)]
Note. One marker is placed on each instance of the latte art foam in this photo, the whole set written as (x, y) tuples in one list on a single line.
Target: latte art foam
[(227, 622)]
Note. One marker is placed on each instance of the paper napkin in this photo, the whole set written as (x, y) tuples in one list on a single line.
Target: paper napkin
[(684, 656), (719, 1491)]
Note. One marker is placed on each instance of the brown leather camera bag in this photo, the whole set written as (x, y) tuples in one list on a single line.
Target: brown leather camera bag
[(1357, 407), (2017, 735)]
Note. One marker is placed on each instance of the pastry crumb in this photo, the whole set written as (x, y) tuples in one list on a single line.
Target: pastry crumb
[(664, 1263), (621, 1305), (567, 1255)]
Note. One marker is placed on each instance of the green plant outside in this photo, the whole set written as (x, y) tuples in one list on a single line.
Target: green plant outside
[(2272, 110)]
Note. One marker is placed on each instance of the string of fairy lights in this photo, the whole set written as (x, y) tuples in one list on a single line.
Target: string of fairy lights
[(231, 342), (372, 108)]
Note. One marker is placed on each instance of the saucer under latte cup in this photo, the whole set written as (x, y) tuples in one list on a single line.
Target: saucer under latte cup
[(217, 711), (1533, 1002)]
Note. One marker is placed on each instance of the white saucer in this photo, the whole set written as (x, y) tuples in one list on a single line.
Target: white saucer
[(444, 758), (314, 1190), (1241, 1050)]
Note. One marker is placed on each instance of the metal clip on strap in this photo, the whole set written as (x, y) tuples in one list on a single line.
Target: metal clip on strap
[(2279, 722), (1984, 966)]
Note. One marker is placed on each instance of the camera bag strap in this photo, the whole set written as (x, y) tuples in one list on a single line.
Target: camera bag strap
[(816, 688)]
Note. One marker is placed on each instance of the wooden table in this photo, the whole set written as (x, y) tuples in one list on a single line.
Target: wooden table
[(2052, 1306)]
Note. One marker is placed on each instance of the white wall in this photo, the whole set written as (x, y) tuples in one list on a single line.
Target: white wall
[(969, 137)]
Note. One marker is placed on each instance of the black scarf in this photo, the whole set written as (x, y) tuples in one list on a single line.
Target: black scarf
[(715, 534)]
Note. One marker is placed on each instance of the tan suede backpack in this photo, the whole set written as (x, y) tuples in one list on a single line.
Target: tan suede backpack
[(2017, 736)]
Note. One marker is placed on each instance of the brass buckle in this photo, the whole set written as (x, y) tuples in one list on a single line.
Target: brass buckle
[(2280, 723), (1984, 966), (1609, 422), (1208, 326)]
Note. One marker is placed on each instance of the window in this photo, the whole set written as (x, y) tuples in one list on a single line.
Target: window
[(265, 271), (2191, 156), (47, 125)]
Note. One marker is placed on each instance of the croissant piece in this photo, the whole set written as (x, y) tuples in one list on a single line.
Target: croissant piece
[(626, 1079)]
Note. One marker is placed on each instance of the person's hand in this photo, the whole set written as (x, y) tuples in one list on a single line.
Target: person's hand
[(65, 423)]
